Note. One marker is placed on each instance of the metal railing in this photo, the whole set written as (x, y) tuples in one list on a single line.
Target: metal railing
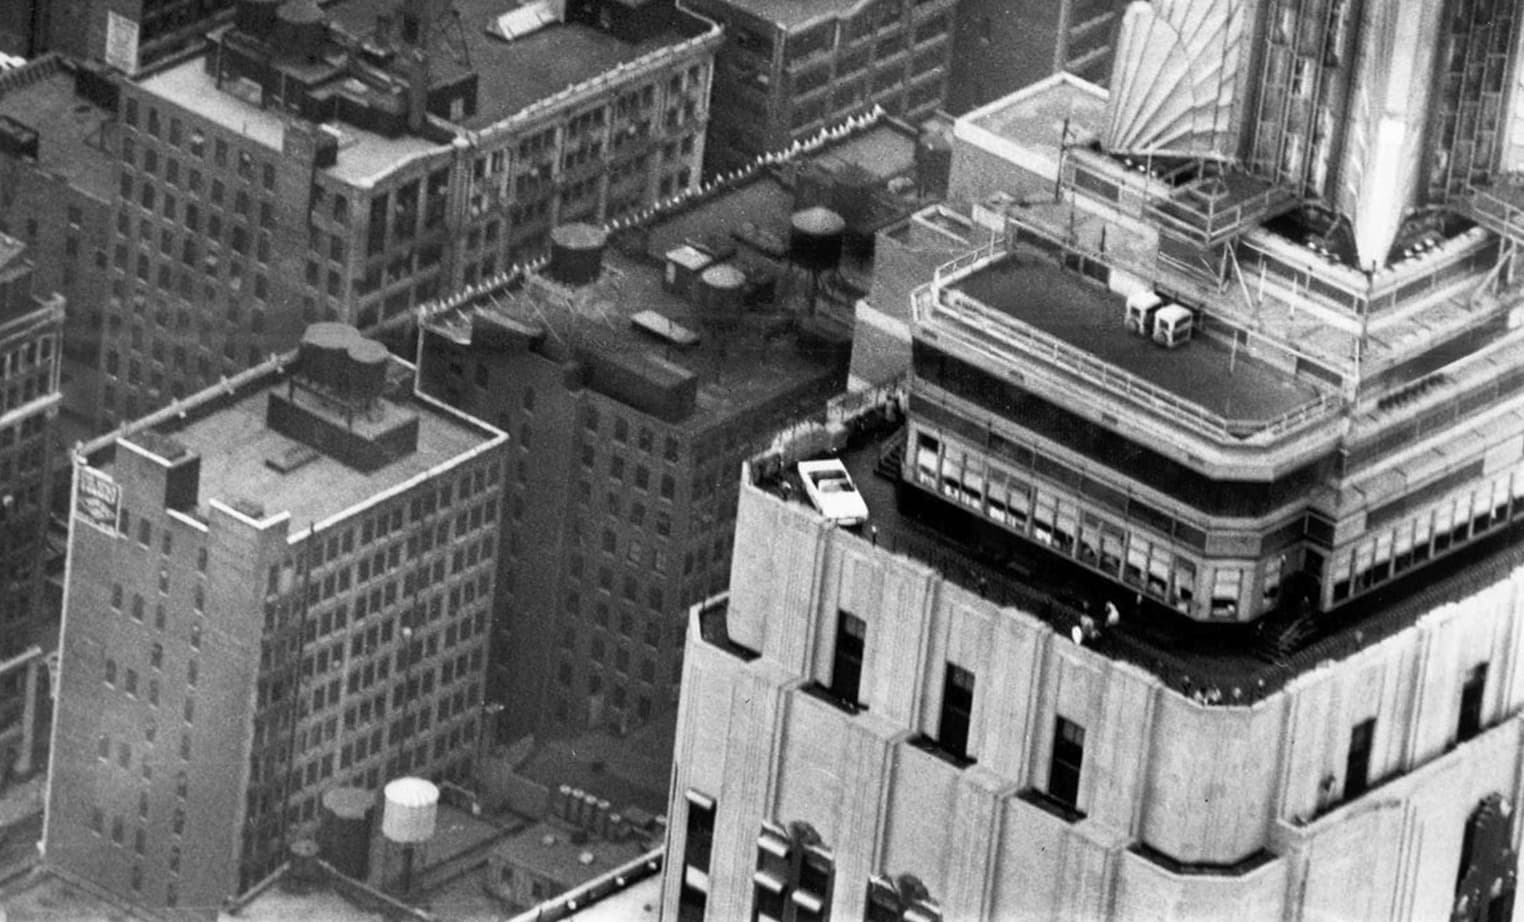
[(997, 246), (1005, 329), (1496, 212), (1204, 226)]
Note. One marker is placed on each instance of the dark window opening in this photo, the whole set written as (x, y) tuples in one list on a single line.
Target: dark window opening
[(1358, 766), (847, 663), (693, 900), (957, 709), (1472, 691), (1065, 764)]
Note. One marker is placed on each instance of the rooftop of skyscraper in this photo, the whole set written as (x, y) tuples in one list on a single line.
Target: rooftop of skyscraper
[(362, 155), (48, 897), (793, 14), (544, 56), (269, 443), (640, 315), (1086, 321), (1217, 663), (72, 132), (1290, 282)]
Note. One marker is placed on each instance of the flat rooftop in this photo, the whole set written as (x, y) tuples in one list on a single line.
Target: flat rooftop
[(228, 431), (639, 902), (547, 849), (766, 356), (72, 138), (791, 14), (364, 156), (45, 897), (1035, 117), (627, 771), (884, 151), (188, 85), (760, 360), (512, 75), (278, 904), (1218, 663), (1081, 313)]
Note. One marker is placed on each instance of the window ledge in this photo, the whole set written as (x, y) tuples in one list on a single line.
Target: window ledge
[(1047, 802), (823, 693), (930, 746), (1203, 869)]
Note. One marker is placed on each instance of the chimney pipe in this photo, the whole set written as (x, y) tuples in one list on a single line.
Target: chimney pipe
[(417, 89)]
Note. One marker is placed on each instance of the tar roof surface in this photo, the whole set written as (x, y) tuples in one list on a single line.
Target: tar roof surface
[(626, 770), (69, 130), (1071, 308), (1189, 656), (790, 14), (278, 904), (364, 156), (883, 150), (561, 859), (48, 898), (511, 75), (189, 86), (763, 203), (234, 443), (1036, 117), (748, 369)]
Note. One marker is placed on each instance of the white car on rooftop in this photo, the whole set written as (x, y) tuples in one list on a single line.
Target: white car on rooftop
[(832, 492)]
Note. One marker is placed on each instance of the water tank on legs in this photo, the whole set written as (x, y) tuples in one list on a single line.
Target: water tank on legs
[(320, 357), (933, 163), (409, 811), (367, 369), (815, 236), (345, 829), (576, 253), (720, 296), (305, 874), (300, 29)]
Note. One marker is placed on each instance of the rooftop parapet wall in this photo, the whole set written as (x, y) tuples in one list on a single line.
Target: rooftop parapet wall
[(706, 42), (1272, 748), (1014, 310)]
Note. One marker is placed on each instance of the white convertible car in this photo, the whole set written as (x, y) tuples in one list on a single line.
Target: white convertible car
[(832, 492)]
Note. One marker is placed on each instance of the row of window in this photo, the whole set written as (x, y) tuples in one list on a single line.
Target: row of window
[(125, 749), (1059, 522), (1067, 755), (137, 611), (1388, 551), (193, 143)]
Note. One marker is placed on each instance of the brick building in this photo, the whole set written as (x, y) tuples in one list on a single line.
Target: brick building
[(57, 192), (30, 328), (280, 586), (1000, 46), (619, 504), (350, 161), (788, 69), (126, 34)]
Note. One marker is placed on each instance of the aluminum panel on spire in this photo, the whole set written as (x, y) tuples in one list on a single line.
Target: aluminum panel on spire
[(1175, 78)]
